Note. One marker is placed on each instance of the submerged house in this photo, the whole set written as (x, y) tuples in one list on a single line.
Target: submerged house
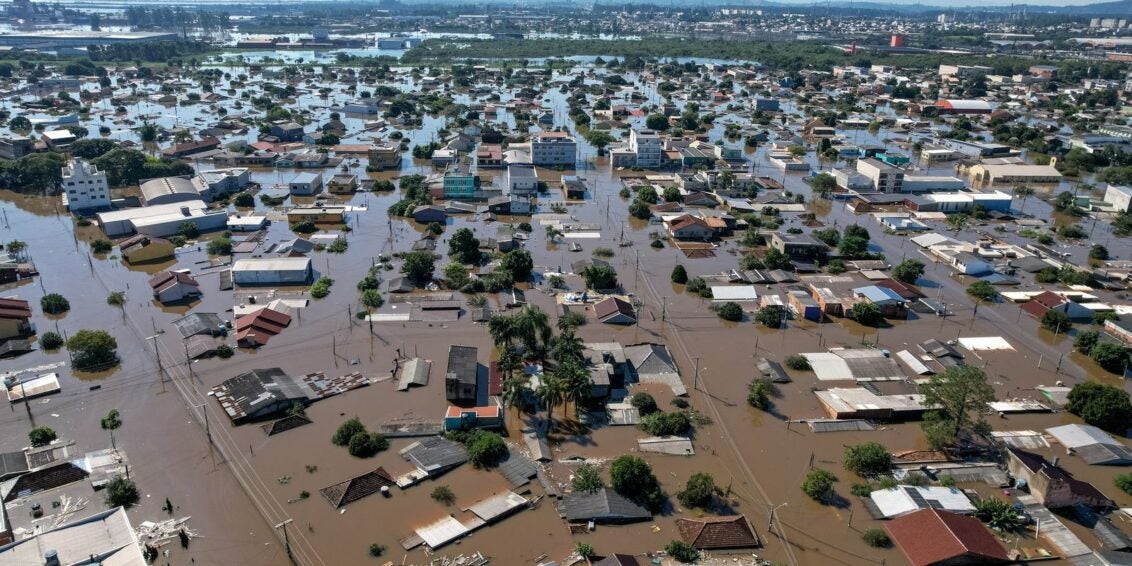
[(603, 506), (460, 381), (174, 287), (1051, 485), (459, 418)]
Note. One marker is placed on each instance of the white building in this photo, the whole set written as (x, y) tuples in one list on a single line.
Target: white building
[(886, 178), (84, 187), (161, 220), (272, 271), (646, 145), (519, 179), (305, 184), (554, 148), (1119, 197)]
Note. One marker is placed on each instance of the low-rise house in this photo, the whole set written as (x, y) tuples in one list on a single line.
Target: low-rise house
[(1050, 485), (250, 223), (384, 156), (573, 187), (968, 263), (272, 271), (106, 537), (1092, 444), (717, 533), (304, 184), (326, 214), (1047, 301), (58, 139), (798, 245), (191, 148), (612, 310), (461, 380), (890, 303), (804, 306), (489, 156), (904, 499), (861, 403), (427, 213), (144, 249), (259, 394), (174, 287), (342, 184), (1119, 197), (459, 418), (604, 506), (939, 538), (15, 319), (286, 131), (255, 329), (688, 227)]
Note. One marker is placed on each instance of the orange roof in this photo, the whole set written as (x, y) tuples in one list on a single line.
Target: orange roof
[(488, 412)]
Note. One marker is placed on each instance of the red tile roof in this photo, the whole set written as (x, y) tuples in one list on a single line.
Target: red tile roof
[(163, 279), (612, 305), (717, 532), (14, 308), (931, 536)]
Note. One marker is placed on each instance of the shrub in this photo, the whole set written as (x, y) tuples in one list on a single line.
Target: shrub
[(366, 444), (376, 550), (1056, 321), (220, 246), (116, 298), (338, 246), (587, 479), (1124, 482), (244, 200), (861, 489), (122, 492), (632, 477), (759, 393), (603, 252), (443, 494), (682, 551), (908, 271), (41, 436), (656, 244), (1111, 357), (771, 316), (225, 351), (982, 290), (644, 403), (321, 288), (699, 491), (679, 274), (54, 303), (584, 550), (101, 246), (346, 431), (50, 341), (797, 362), (998, 514), (730, 311), (486, 449), (866, 314), (819, 484), (696, 285), (666, 424), (600, 277), (867, 459), (876, 538), (1085, 340), (572, 319), (304, 227)]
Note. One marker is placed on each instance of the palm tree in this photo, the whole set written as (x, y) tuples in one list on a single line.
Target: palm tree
[(1023, 193), (111, 422), (576, 381), (552, 393), (515, 393), (532, 327), (502, 330), (567, 347)]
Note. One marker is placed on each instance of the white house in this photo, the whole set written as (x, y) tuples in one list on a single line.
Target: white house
[(84, 187), (519, 179), (305, 184), (968, 263)]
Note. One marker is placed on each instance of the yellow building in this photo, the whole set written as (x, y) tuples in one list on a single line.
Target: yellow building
[(342, 184), (15, 318), (145, 249)]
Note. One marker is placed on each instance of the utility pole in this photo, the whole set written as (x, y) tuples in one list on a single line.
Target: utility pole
[(696, 382), (286, 539)]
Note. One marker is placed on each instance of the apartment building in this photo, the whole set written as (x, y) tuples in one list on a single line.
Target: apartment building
[(885, 178), (554, 148), (84, 187)]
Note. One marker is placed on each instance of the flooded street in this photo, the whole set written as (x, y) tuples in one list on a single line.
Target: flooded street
[(237, 482)]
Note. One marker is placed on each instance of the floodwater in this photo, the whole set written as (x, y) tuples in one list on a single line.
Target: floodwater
[(245, 482)]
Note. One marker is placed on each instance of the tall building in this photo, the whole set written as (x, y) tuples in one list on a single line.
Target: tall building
[(648, 147), (84, 187), (554, 148), (885, 178)]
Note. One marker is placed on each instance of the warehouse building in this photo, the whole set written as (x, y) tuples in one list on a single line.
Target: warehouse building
[(273, 271), (161, 220)]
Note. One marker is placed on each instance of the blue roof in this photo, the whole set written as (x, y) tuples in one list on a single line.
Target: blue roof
[(878, 294)]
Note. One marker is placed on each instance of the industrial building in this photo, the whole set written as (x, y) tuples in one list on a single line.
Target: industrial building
[(76, 38), (161, 220), (272, 271)]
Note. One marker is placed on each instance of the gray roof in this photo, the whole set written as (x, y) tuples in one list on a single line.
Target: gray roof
[(107, 537), (259, 392), (462, 363), (414, 372), (650, 359), (12, 463), (435, 454), (604, 505), (518, 469), (198, 323)]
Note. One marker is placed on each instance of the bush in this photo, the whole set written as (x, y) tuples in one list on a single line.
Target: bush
[(682, 551), (92, 348), (819, 485), (679, 274), (587, 479), (600, 277), (644, 403), (304, 227), (998, 514), (346, 431), (220, 246), (730, 311), (225, 351), (486, 449), (876, 538), (1085, 340), (861, 489), (696, 285), (982, 290), (376, 550), (366, 444), (572, 319), (1124, 482), (116, 298), (868, 459), (244, 200), (122, 492), (666, 424), (101, 246), (54, 303), (1103, 406), (443, 494), (759, 393), (50, 341), (632, 477), (321, 288), (1111, 357), (656, 244), (1056, 321), (771, 316), (699, 491), (908, 271), (585, 550), (866, 314), (797, 362), (41, 436), (603, 252), (338, 246), (1098, 252)]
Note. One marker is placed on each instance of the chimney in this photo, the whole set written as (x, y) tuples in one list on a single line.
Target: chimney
[(51, 558), (1056, 460)]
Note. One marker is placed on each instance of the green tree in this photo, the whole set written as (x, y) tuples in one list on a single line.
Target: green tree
[(189, 230), (998, 514), (955, 394), (672, 194), (552, 392), (699, 491), (418, 266), (818, 484), (464, 247), (1111, 357), (347, 430), (759, 394), (443, 494), (867, 459), (730, 311), (823, 185), (658, 122), (244, 200), (876, 538), (679, 275), (666, 424), (1056, 321), (644, 403), (1100, 405), (220, 246), (982, 290), (599, 139), (632, 477), (1098, 252), (587, 479), (101, 246), (455, 275), (853, 247), (41, 436), (585, 550), (866, 314), (908, 271), (110, 423), (1124, 482), (486, 449), (372, 298), (50, 340), (1085, 340), (775, 259), (771, 316), (600, 276), (122, 492), (54, 303), (92, 348), (518, 263), (857, 231), (366, 444), (647, 194)]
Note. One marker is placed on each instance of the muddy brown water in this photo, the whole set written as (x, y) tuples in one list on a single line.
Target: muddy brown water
[(249, 482)]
